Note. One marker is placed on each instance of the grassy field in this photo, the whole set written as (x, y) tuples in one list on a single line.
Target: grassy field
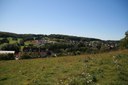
[(94, 69)]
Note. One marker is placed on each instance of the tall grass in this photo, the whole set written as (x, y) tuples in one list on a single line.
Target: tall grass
[(94, 69)]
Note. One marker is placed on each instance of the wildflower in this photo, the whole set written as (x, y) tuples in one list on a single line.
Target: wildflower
[(88, 82), (114, 57), (115, 61), (83, 73), (118, 66), (89, 75)]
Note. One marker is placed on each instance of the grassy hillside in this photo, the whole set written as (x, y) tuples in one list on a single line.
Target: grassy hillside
[(95, 69)]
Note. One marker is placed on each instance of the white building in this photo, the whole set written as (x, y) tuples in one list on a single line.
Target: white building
[(6, 52)]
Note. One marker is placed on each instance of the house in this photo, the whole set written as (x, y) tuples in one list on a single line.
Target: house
[(7, 52), (10, 52)]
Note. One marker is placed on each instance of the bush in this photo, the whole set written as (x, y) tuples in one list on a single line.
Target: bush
[(124, 41), (25, 56), (11, 47), (7, 57)]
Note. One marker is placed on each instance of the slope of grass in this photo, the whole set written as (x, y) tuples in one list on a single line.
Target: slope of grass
[(95, 69)]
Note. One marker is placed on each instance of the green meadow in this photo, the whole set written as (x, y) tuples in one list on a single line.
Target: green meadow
[(109, 68)]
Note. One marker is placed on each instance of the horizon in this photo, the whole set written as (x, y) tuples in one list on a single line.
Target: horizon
[(58, 34), (101, 19)]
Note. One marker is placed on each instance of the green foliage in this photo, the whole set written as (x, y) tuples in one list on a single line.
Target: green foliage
[(7, 57), (124, 41), (21, 42), (25, 56), (11, 47), (4, 40)]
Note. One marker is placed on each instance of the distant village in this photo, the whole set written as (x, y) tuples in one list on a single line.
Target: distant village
[(40, 46)]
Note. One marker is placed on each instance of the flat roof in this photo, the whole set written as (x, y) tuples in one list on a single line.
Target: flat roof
[(3, 52)]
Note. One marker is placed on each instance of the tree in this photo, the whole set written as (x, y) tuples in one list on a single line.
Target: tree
[(4, 40), (126, 33), (124, 41), (21, 42), (9, 47)]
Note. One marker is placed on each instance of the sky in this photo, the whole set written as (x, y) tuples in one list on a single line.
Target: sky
[(102, 19)]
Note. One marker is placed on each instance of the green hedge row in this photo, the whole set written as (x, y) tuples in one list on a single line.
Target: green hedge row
[(7, 56)]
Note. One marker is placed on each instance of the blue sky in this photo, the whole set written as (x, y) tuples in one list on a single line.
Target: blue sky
[(103, 19)]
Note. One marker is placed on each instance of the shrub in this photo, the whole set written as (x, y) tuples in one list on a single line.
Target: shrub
[(13, 47), (7, 56), (25, 56), (124, 41)]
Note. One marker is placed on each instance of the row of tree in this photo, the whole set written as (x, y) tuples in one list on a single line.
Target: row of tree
[(26, 37)]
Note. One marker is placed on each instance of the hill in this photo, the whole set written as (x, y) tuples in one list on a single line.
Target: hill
[(93, 69), (55, 44)]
